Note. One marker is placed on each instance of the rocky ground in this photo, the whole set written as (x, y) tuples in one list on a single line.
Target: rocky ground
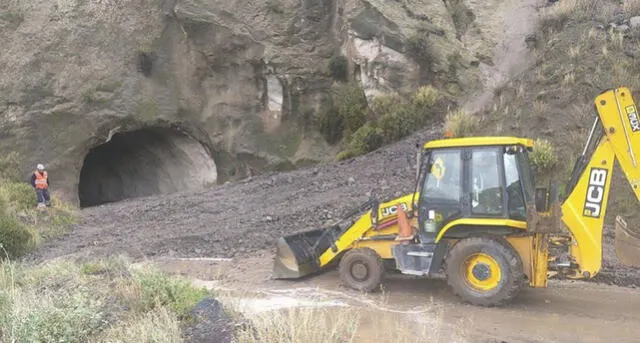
[(240, 219)]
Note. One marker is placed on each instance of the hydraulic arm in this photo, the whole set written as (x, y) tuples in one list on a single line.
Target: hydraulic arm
[(615, 134)]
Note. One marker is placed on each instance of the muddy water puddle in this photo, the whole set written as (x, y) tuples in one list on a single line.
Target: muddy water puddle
[(411, 310)]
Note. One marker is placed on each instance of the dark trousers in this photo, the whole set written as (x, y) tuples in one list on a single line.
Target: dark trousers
[(42, 195)]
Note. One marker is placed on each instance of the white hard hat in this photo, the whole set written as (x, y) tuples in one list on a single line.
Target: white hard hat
[(40, 166)]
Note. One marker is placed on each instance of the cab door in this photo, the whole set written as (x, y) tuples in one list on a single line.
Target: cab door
[(442, 195)]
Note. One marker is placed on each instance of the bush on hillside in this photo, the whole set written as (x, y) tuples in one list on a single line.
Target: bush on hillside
[(9, 166), (343, 113), (399, 122), (15, 237), (425, 97), (390, 118), (460, 124), (543, 157), (338, 67), (554, 17), (366, 139), (20, 195)]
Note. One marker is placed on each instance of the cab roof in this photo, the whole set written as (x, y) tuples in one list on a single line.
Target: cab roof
[(478, 141)]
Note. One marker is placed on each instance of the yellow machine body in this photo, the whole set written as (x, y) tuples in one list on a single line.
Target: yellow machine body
[(486, 255)]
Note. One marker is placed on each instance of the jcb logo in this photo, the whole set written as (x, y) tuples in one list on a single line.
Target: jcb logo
[(595, 192), (391, 210)]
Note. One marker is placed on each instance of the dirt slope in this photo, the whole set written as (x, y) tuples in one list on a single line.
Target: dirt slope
[(240, 217)]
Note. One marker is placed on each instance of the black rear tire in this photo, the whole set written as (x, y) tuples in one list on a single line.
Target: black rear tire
[(361, 269), (484, 271)]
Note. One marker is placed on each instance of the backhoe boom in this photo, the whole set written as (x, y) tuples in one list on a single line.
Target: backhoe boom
[(585, 207)]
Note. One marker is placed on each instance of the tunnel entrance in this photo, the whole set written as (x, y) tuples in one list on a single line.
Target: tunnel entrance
[(144, 162)]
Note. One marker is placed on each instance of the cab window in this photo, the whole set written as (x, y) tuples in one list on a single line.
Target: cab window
[(486, 198), (515, 198), (443, 181)]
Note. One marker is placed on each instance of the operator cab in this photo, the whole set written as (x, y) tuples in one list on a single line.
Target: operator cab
[(467, 186), (466, 179)]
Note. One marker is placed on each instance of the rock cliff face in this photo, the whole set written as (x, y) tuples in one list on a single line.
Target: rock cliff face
[(228, 81)]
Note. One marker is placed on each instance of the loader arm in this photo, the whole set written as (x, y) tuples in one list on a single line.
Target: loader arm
[(615, 135)]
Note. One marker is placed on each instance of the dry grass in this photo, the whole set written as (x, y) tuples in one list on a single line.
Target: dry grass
[(99, 301), (461, 124), (554, 17), (156, 326), (314, 325), (631, 7), (352, 324)]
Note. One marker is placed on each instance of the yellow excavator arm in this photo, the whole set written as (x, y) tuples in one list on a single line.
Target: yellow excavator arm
[(615, 135)]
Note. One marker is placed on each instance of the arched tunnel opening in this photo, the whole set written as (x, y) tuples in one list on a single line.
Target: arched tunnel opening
[(144, 162)]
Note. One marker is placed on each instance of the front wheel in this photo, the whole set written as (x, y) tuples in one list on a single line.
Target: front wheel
[(361, 269), (484, 271)]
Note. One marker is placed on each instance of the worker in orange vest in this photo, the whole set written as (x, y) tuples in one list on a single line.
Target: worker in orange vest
[(40, 181)]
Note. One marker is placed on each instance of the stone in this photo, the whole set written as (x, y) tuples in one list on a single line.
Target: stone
[(210, 323)]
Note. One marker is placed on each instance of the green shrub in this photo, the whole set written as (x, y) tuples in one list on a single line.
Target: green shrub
[(338, 67), (543, 157), (158, 289), (425, 97), (366, 139), (158, 326), (419, 48), (399, 122), (460, 124), (330, 124), (73, 318), (345, 155), (343, 113), (9, 166), (351, 104), (16, 238), (20, 196)]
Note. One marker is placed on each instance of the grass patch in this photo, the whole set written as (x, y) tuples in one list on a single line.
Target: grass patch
[(461, 124), (98, 301), (543, 157), (302, 325), (22, 225), (554, 18)]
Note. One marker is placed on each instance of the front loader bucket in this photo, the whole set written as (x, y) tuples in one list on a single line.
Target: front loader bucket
[(627, 244), (297, 255)]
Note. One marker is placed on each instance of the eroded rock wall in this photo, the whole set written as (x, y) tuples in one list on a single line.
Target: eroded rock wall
[(236, 75)]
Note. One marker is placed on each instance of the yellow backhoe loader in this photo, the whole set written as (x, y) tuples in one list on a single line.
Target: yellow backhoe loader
[(477, 219)]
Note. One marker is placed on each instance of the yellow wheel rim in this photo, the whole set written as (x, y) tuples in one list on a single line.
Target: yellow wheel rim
[(482, 272)]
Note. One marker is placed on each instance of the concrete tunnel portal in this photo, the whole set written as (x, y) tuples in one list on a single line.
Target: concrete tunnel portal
[(144, 162)]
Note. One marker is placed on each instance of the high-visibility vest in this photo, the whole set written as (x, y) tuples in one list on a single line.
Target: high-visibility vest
[(41, 180)]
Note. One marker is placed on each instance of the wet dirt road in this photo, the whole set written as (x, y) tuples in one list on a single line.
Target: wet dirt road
[(566, 311)]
